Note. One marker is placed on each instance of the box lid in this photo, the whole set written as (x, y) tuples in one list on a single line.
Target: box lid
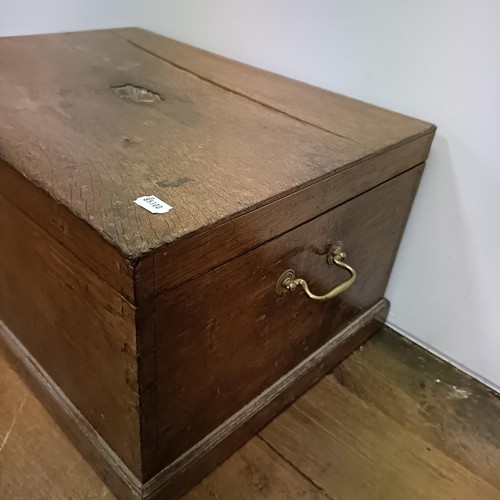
[(99, 119)]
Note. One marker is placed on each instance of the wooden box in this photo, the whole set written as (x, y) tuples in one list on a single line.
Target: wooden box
[(162, 341)]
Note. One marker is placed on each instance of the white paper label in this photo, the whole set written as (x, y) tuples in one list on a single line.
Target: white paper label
[(153, 204)]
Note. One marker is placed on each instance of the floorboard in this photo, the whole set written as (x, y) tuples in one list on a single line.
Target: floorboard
[(37, 461), (256, 471), (391, 422), (354, 452), (455, 413)]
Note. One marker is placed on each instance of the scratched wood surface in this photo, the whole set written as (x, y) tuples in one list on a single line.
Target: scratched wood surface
[(326, 110), (98, 121), (75, 325), (239, 351), (391, 422)]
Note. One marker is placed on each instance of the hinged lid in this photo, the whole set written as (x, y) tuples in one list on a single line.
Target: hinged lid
[(99, 119)]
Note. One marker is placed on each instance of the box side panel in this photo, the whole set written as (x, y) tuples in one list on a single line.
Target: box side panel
[(73, 233), (79, 329), (192, 256), (182, 475), (225, 337)]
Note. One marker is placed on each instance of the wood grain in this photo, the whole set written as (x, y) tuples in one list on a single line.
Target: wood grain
[(189, 257), (452, 412), (161, 328), (198, 461), (224, 338), (346, 117), (70, 231), (209, 152), (256, 472), (77, 428), (37, 461), (77, 327), (353, 451)]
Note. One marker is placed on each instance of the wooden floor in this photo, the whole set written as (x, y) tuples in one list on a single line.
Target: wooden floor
[(391, 423)]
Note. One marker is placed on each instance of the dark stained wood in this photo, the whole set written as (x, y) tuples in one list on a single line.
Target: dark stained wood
[(441, 405), (77, 327), (204, 460), (164, 332), (181, 475), (146, 358), (83, 435), (37, 461), (208, 152), (224, 338), (188, 148), (71, 232), (189, 257)]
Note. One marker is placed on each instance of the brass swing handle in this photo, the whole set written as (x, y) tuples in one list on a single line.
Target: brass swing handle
[(287, 282)]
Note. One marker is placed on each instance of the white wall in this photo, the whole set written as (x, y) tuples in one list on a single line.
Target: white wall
[(26, 17), (438, 60)]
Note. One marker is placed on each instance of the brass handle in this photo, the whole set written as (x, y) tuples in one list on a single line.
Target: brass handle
[(287, 282)]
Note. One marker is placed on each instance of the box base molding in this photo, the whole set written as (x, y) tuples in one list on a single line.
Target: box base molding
[(89, 443), (179, 476)]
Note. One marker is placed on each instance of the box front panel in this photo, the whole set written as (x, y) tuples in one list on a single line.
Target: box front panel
[(80, 330), (225, 337)]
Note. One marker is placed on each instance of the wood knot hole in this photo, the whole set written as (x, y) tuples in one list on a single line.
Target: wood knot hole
[(136, 93)]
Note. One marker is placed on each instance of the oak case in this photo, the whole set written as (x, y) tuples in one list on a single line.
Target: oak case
[(158, 341)]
